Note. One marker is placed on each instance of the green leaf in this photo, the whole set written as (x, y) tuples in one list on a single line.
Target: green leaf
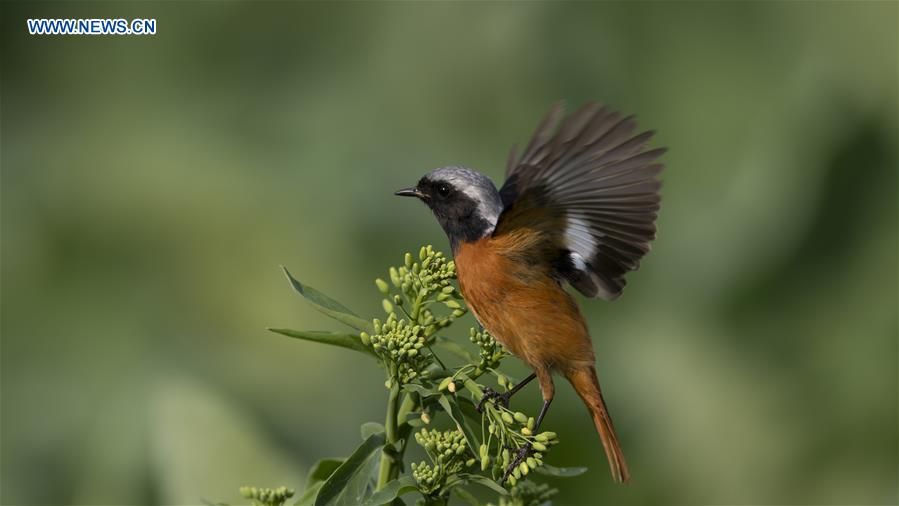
[(562, 472), (349, 341), (418, 389), (349, 482), (370, 428), (308, 497), (322, 470), (392, 490), (455, 348), (469, 410), (467, 496), (483, 480), (327, 305), (452, 409)]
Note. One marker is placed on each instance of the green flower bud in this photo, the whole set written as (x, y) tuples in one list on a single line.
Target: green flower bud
[(425, 417), (397, 300), (388, 307), (520, 417), (451, 387), (445, 383), (395, 277), (513, 480), (452, 304), (525, 431), (523, 467), (458, 313), (407, 260), (470, 462), (507, 417), (382, 286), (531, 423), (366, 339), (531, 463), (540, 447)]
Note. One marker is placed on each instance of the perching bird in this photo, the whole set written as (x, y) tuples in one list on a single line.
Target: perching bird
[(578, 206)]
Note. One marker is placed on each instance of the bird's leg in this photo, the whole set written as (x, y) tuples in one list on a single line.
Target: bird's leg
[(526, 450), (502, 399)]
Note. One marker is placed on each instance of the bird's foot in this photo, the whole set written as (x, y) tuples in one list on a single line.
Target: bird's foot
[(494, 396), (515, 466)]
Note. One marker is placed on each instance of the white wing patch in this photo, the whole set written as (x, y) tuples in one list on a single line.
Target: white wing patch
[(582, 244), (579, 237)]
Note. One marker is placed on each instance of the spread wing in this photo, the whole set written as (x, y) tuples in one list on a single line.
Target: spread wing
[(589, 186)]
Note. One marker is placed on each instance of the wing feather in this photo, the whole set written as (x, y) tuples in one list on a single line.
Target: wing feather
[(593, 175)]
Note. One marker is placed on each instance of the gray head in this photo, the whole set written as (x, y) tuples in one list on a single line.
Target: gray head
[(465, 202)]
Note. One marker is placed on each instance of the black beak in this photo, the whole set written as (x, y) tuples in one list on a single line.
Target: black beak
[(410, 192)]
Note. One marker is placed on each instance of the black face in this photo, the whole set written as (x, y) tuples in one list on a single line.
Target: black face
[(456, 211)]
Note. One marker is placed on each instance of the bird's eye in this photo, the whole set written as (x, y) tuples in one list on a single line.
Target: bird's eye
[(443, 190)]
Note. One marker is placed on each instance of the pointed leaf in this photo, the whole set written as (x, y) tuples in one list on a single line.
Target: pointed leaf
[(349, 341), (455, 348), (322, 470), (308, 497), (392, 490), (369, 428), (469, 410), (483, 480), (349, 481), (418, 389), (467, 496), (562, 472), (327, 305)]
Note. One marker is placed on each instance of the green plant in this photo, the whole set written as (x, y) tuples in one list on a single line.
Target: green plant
[(424, 388)]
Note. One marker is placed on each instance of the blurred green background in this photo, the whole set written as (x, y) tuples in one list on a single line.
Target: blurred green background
[(151, 186)]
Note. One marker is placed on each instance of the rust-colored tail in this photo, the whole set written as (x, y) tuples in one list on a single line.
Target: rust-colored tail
[(587, 386)]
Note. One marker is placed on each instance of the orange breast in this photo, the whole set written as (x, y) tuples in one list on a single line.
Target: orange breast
[(521, 304)]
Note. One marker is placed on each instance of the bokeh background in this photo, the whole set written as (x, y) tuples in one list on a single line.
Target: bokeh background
[(151, 186)]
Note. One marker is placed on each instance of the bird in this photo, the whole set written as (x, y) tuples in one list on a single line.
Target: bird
[(578, 207)]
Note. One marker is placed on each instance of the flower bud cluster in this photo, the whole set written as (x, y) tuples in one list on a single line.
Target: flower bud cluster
[(401, 346), (515, 430), (429, 478), (418, 281), (449, 453), (528, 493), (267, 496), (491, 352)]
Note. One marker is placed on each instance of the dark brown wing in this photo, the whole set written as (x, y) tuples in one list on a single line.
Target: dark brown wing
[(589, 184)]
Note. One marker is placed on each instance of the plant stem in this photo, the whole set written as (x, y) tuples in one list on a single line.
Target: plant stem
[(388, 461)]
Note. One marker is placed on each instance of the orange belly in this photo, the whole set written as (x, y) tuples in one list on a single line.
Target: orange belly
[(522, 305)]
